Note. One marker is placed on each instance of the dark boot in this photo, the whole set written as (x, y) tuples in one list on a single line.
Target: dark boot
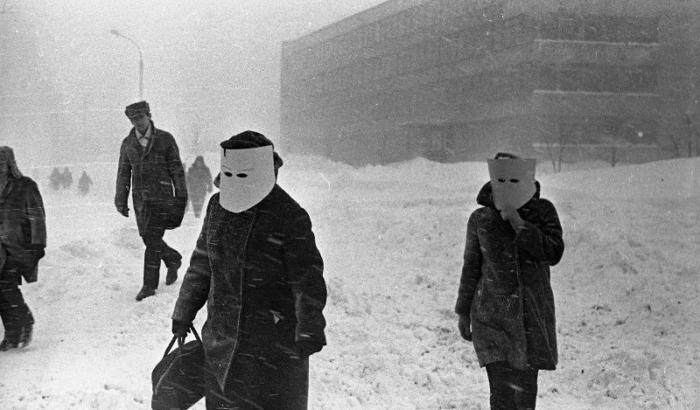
[(171, 277), (11, 340), (173, 261), (25, 335), (18, 321), (144, 293)]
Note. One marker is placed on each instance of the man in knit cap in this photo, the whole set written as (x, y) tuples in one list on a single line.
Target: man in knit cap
[(257, 267), (149, 165), (22, 243)]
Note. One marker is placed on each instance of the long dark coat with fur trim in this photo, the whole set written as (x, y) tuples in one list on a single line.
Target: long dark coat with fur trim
[(261, 275), (154, 173), (505, 285)]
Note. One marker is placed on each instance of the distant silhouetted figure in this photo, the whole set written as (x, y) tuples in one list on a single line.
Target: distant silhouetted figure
[(66, 178), (84, 184), (55, 179), (199, 184)]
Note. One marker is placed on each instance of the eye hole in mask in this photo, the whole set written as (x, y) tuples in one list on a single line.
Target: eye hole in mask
[(228, 174), (242, 175), (514, 180), (501, 180)]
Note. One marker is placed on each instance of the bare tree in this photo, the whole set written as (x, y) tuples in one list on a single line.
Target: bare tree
[(554, 141)]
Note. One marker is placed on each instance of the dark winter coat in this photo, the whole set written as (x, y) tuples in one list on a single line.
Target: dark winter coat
[(153, 174), (199, 182), (505, 286), (261, 275), (84, 183), (22, 227)]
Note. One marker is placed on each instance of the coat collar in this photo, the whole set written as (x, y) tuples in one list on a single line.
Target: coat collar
[(9, 187), (135, 140)]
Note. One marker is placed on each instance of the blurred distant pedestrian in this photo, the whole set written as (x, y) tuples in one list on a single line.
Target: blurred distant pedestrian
[(149, 165), (66, 178), (199, 184), (55, 179), (22, 243), (84, 184), (505, 301)]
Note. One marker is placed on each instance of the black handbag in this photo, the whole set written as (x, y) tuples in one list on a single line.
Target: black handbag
[(180, 378)]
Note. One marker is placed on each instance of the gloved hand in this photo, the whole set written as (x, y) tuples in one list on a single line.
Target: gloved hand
[(464, 326), (181, 328), (513, 217), (306, 348), (124, 210)]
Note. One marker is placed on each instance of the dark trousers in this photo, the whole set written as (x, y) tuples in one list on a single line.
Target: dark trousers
[(510, 388), (255, 383), (14, 312), (157, 250)]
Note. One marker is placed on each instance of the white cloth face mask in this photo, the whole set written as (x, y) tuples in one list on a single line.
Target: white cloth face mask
[(247, 177), (512, 181)]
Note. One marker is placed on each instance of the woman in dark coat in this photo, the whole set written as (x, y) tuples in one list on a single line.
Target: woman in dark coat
[(199, 184), (505, 300), (22, 243), (261, 275)]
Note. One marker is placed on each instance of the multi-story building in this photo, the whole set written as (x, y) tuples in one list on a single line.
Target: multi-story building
[(459, 79)]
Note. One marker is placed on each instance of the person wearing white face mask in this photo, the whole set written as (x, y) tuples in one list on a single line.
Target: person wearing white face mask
[(257, 267), (505, 302)]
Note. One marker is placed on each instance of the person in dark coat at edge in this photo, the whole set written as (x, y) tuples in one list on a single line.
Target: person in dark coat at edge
[(22, 243), (257, 267), (149, 165), (505, 301), (199, 184)]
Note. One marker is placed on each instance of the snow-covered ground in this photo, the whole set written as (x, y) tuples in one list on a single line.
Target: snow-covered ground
[(392, 238)]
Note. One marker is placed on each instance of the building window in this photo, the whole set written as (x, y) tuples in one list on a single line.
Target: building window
[(599, 28)]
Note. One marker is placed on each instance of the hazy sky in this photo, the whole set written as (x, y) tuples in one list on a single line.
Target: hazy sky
[(221, 52)]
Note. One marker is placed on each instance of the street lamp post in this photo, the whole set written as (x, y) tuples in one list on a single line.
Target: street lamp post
[(118, 34)]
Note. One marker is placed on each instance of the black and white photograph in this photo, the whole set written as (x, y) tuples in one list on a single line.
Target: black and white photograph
[(366, 204)]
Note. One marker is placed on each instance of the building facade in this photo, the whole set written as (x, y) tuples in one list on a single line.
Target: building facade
[(459, 80)]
